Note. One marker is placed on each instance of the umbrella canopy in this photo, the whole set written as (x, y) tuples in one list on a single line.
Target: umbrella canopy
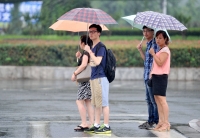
[(130, 20), (73, 26), (158, 21), (88, 15)]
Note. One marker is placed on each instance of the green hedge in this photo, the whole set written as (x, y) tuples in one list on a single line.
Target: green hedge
[(181, 57), (22, 55), (62, 55)]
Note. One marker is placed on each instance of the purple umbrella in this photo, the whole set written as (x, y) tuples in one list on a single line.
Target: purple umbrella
[(88, 15), (158, 21)]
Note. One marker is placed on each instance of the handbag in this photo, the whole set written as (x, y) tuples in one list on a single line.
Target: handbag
[(85, 75)]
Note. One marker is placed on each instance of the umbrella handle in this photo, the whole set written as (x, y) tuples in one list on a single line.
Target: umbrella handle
[(142, 40)]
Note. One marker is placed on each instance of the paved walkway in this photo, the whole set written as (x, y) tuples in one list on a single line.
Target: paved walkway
[(47, 109)]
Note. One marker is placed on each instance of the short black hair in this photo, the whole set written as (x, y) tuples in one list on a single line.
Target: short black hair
[(144, 27), (164, 34), (83, 39), (98, 27)]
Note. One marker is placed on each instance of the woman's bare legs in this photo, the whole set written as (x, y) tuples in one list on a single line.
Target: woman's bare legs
[(160, 113), (165, 113), (82, 112), (90, 111)]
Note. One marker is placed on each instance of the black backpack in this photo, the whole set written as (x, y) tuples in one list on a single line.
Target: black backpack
[(110, 63)]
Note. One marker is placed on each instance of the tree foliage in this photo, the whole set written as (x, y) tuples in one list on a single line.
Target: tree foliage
[(32, 25), (186, 11), (118, 9), (15, 1), (121, 8), (15, 25), (53, 9)]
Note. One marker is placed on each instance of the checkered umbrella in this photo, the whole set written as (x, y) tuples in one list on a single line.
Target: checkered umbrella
[(158, 21), (88, 15), (130, 20)]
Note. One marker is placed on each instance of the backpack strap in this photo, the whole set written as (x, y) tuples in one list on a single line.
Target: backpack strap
[(98, 47)]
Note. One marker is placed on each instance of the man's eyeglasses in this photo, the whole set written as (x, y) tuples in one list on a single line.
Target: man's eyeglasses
[(147, 31), (92, 32)]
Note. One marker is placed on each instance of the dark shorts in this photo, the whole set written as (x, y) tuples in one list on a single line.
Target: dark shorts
[(159, 84)]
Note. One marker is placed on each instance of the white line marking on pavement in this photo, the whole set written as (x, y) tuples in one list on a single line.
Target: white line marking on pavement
[(103, 135), (128, 115), (73, 121), (193, 124), (38, 127), (71, 115), (169, 134)]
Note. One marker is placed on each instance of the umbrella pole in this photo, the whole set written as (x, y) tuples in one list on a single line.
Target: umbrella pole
[(87, 34), (78, 49), (142, 40), (78, 44)]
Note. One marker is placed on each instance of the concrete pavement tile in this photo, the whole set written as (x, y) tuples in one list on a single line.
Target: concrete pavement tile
[(198, 123), (31, 108), (129, 129), (188, 131)]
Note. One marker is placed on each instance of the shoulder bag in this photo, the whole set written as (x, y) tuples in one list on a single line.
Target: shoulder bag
[(85, 75)]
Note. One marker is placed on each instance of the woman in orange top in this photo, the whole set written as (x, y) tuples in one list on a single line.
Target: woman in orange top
[(159, 75)]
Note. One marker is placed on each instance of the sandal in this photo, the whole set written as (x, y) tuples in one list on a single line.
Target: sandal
[(80, 128), (164, 127), (158, 126)]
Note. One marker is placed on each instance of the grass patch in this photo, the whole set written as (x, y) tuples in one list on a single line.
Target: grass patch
[(76, 37), (109, 41)]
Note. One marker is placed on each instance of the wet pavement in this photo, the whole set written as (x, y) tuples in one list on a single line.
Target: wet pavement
[(47, 109)]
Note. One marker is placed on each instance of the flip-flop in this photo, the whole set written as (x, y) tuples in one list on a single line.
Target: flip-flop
[(80, 128)]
